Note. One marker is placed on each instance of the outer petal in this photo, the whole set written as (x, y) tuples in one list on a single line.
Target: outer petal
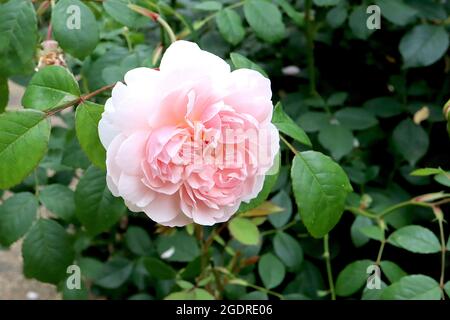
[(249, 92), (132, 108), (142, 78), (113, 170), (179, 221), (132, 189), (163, 208), (106, 129), (188, 61), (131, 153)]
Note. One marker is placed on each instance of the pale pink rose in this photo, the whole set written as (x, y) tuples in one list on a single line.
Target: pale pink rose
[(167, 132)]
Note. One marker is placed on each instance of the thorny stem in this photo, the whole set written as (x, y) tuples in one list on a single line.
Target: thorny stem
[(49, 31), (440, 218), (380, 251), (310, 46), (287, 226), (79, 100), (362, 212), (242, 282), (215, 233), (290, 146), (219, 284), (155, 17), (411, 202), (326, 256)]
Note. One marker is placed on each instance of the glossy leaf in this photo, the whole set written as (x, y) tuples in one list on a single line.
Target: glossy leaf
[(96, 207), (51, 87), (320, 189), (230, 26), (17, 214), (87, 116), (415, 239), (414, 287), (47, 252), (286, 125), (265, 19), (23, 142), (75, 27)]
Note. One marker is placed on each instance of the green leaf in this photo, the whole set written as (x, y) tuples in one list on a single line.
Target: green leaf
[(265, 19), (412, 150), (60, 200), (416, 239), (282, 200), (337, 139), (384, 107), (423, 45), (17, 214), (47, 252), (230, 26), (240, 62), (73, 156), (286, 125), (51, 87), (75, 294), (138, 241), (297, 17), (414, 287), (288, 250), (337, 16), (90, 268), (352, 278), (429, 9), (447, 288), (313, 121), (179, 247), (208, 6), (159, 269), (254, 295), (141, 296), (271, 270), (320, 189), (119, 11), (18, 36), (373, 294), (443, 178), (244, 231), (337, 99), (114, 273), (392, 271), (396, 11), (372, 232), (426, 172), (96, 208), (23, 142), (357, 22), (356, 118), (75, 27), (326, 3), (4, 94), (196, 294), (87, 116), (358, 238)]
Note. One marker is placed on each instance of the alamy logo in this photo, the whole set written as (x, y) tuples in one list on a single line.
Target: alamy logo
[(73, 282), (74, 19), (374, 20), (374, 279)]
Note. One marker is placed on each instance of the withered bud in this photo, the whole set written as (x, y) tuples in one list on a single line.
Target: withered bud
[(50, 55)]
